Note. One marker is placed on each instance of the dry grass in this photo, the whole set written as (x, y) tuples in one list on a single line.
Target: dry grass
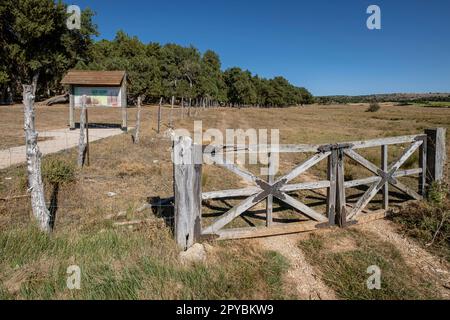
[(342, 259), (122, 177)]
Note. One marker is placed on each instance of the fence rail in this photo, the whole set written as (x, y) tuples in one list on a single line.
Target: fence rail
[(189, 196)]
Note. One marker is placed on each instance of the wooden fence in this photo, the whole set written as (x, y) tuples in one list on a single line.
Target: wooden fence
[(188, 161)]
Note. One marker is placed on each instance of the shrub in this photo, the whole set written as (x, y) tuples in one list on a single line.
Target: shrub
[(374, 107), (429, 222), (437, 193), (57, 171)]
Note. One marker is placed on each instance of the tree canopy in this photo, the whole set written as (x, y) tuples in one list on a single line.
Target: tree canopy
[(34, 39)]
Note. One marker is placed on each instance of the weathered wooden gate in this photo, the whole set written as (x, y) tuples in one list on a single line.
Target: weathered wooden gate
[(188, 160)]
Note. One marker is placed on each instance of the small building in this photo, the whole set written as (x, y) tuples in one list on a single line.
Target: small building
[(105, 89)]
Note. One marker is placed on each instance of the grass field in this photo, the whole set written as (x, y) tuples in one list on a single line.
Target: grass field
[(141, 261)]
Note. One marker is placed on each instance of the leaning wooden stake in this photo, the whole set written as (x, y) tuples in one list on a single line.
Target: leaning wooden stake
[(187, 191), (159, 114), (82, 143), (171, 112), (138, 121), (35, 184)]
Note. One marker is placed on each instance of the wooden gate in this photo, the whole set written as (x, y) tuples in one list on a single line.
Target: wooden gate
[(188, 161)]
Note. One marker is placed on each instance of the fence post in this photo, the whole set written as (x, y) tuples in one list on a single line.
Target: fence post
[(71, 108), (124, 104), (384, 167), (436, 155), (82, 143), (423, 165), (270, 180), (187, 172), (331, 192), (341, 212)]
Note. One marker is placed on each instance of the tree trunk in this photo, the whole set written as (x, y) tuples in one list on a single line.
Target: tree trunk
[(138, 121), (82, 143), (35, 184)]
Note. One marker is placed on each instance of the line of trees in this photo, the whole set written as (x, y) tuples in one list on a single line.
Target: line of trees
[(34, 40), (191, 77)]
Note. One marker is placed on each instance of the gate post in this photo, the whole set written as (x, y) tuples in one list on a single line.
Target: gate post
[(436, 155), (331, 192), (187, 171), (341, 212)]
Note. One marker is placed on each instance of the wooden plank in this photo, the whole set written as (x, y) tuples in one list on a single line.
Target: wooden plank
[(385, 141), (261, 148), (304, 209), (331, 192), (402, 187), (370, 180), (436, 154), (313, 148), (364, 200), (405, 156), (408, 172), (258, 232), (246, 192), (361, 182), (231, 214), (187, 191), (384, 167), (232, 193), (313, 185)]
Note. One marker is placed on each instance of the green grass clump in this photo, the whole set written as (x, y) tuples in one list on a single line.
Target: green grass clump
[(58, 171), (345, 269), (122, 264)]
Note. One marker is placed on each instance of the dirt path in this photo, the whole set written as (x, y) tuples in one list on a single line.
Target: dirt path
[(301, 277), (55, 141), (414, 255)]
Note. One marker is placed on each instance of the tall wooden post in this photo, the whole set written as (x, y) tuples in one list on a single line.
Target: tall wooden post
[(384, 167), (124, 104), (138, 121), (82, 143), (187, 172), (270, 180), (71, 108), (33, 154), (436, 155), (341, 211), (423, 165), (159, 114), (331, 192)]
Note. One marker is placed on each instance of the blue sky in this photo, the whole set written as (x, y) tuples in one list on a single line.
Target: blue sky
[(323, 45)]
